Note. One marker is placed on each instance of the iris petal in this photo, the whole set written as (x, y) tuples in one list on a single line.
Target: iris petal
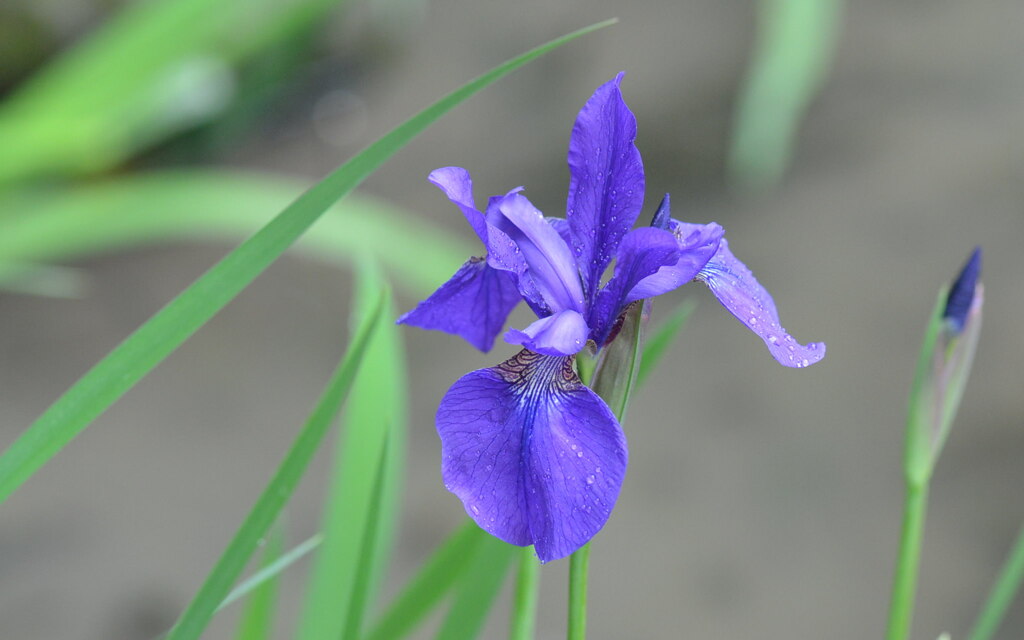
[(473, 304), (547, 256), (697, 244), (561, 334), (642, 253), (606, 185), (739, 292), (535, 456), (458, 186)]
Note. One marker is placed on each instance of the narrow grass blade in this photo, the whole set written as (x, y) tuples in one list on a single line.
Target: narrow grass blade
[(524, 608), (195, 618), (257, 620), (130, 361), (431, 583), (54, 224), (153, 69), (791, 60), (271, 570), (1003, 592), (660, 339), (363, 579), (348, 567), (477, 590)]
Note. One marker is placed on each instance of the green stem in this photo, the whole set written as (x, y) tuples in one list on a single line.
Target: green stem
[(579, 563), (524, 612), (1002, 594), (904, 586)]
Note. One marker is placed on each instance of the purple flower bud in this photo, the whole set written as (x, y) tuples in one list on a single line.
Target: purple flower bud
[(961, 295)]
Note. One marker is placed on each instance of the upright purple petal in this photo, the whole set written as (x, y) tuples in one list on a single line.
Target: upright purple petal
[(737, 289), (642, 253), (606, 184), (473, 304), (535, 456), (548, 258), (458, 186), (561, 334)]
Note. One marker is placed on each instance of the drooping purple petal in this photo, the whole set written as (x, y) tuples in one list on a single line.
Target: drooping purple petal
[(474, 304), (739, 292), (535, 456), (606, 185), (548, 258), (561, 334), (642, 253)]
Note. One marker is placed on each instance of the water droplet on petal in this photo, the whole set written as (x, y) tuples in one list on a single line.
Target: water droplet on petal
[(474, 509), (591, 479)]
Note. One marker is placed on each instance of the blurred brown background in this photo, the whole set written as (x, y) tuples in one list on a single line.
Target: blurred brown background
[(761, 502)]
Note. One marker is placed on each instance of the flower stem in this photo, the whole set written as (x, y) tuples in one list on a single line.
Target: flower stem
[(579, 563), (904, 586), (524, 609), (1002, 593)]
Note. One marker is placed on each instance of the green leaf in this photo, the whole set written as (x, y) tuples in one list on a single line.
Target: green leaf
[(425, 590), (1002, 594), (130, 361), (795, 42), (197, 615), (155, 68), (477, 590), (660, 339), (271, 570), (45, 225), (348, 568), (257, 619)]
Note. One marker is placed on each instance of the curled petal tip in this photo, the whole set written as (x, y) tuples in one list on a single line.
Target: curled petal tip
[(744, 297)]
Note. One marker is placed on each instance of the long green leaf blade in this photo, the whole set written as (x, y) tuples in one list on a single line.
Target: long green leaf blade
[(198, 613), (57, 224), (431, 583), (257, 618), (795, 44), (1002, 594), (130, 361), (271, 570), (374, 422), (477, 590)]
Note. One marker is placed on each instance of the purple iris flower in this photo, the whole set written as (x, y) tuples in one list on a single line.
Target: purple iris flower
[(535, 456)]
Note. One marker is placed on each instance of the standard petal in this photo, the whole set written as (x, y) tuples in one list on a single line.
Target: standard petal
[(606, 185), (548, 258), (561, 334), (473, 304), (739, 292), (535, 456), (642, 253), (458, 186)]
